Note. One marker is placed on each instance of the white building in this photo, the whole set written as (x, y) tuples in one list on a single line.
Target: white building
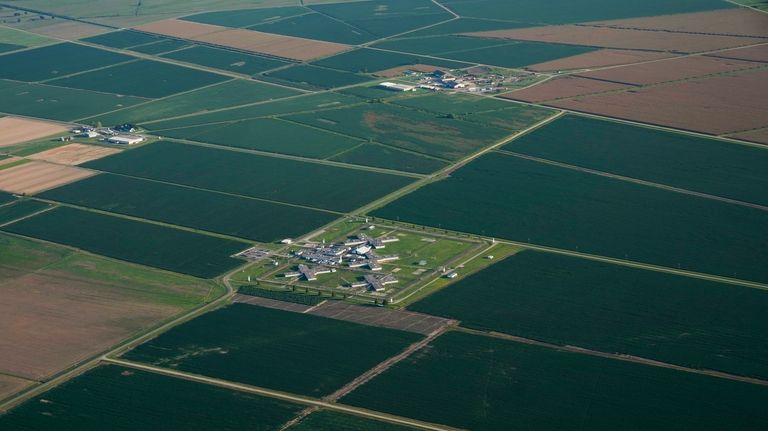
[(397, 87), (125, 139)]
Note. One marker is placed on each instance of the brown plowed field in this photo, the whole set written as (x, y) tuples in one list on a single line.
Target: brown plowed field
[(731, 22), (754, 53), (619, 38), (760, 136), (601, 58), (669, 70), (74, 154), (563, 87), (34, 177), (397, 71), (10, 385), (14, 130), (717, 106), (296, 48), (52, 320)]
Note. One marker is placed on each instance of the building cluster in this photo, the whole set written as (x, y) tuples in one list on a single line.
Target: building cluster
[(122, 134), (488, 82)]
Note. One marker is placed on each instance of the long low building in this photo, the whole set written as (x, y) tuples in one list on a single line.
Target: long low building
[(397, 87)]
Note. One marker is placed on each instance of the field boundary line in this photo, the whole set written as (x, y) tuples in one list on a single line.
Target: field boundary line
[(633, 180), (299, 399), (28, 216), (614, 356)]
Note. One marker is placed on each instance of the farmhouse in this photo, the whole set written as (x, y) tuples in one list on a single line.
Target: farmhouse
[(125, 139), (396, 87)]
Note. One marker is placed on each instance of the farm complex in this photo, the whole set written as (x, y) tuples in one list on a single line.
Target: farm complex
[(386, 215)]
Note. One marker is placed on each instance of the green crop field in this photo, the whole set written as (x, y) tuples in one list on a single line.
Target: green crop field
[(440, 45), (144, 78), (5, 198), (118, 398), (319, 27), (231, 93), (327, 420), (381, 156), (160, 47), (20, 209), (147, 244), (386, 17), (223, 59), (272, 135), (568, 11), (466, 25), (487, 384), (312, 184), (543, 204), (610, 308), (276, 349), (123, 39), (7, 47), (12, 36), (699, 164), (198, 209), (370, 60), (425, 133), (310, 102), (57, 103), (55, 60), (305, 76), (245, 17)]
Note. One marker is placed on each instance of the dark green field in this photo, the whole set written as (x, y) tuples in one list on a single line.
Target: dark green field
[(547, 205), (231, 93), (381, 156), (123, 39), (569, 11), (6, 47), (422, 132), (198, 209), (233, 61), (111, 397), (610, 308), (310, 102), (5, 197), (487, 384), (371, 60), (57, 103), (319, 27), (272, 135), (386, 17), (316, 185), (160, 47), (276, 349), (143, 243), (440, 45), (55, 60), (466, 25), (698, 164), (143, 78), (305, 76), (19, 209), (245, 17), (326, 420)]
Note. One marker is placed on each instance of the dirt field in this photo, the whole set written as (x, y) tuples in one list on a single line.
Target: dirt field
[(759, 136), (563, 87), (601, 58), (14, 130), (717, 106), (619, 38), (669, 70), (254, 41), (755, 53), (74, 154), (731, 22), (35, 177), (382, 317), (10, 385), (75, 320), (397, 71)]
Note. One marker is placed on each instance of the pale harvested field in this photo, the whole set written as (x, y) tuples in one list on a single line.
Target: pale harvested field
[(753, 53), (296, 48), (563, 88), (14, 130), (601, 58), (732, 22), (670, 70), (35, 177), (397, 71), (69, 30), (716, 106), (8, 160), (52, 320), (760, 136), (619, 38), (74, 154), (10, 385)]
